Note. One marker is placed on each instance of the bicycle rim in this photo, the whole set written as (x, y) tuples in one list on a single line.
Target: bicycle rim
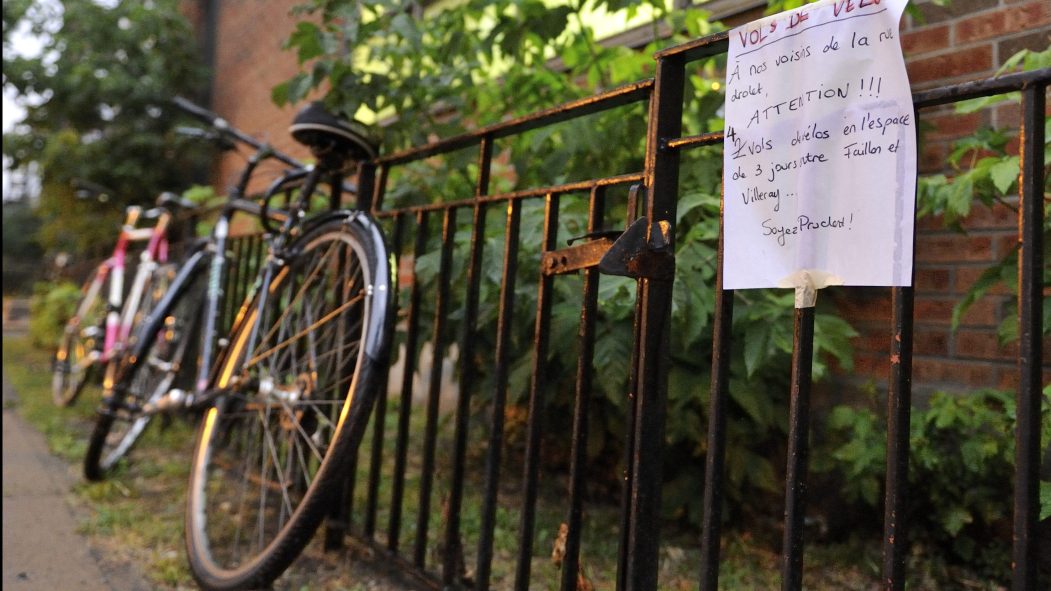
[(272, 448), (144, 378), (82, 339)]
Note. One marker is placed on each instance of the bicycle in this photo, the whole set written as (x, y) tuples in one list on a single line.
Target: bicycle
[(287, 398), (98, 331), (152, 379)]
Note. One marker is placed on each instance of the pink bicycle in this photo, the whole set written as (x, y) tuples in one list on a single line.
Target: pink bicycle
[(107, 314)]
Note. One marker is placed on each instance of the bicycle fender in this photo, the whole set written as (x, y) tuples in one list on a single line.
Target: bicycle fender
[(381, 289), (193, 264)]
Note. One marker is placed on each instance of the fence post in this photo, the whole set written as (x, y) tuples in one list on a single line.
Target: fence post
[(1030, 317), (662, 182)]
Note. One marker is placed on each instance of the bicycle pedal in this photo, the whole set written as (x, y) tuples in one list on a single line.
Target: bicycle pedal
[(172, 399)]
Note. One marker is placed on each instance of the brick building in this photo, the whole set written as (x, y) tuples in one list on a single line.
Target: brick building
[(968, 39)]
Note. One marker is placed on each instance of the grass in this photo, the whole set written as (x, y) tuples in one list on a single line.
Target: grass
[(136, 515)]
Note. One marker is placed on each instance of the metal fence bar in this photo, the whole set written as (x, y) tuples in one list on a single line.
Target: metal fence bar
[(695, 141), (617, 97), (501, 373), (633, 387), (431, 429), (662, 182), (629, 450), (381, 188), (537, 404), (236, 278), (1030, 318), (232, 284), (978, 88), (497, 198), (722, 340), (453, 561), (579, 440), (899, 413), (798, 450), (412, 331)]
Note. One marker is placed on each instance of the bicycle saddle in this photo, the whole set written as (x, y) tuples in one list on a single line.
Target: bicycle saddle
[(324, 132)]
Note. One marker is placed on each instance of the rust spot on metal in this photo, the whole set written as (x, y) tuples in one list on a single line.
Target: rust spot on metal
[(574, 258)]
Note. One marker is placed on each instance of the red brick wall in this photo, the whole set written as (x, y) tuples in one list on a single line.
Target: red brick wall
[(968, 39), (249, 62)]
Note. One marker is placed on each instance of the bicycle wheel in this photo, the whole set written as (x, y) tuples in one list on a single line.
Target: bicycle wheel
[(81, 343), (152, 366), (296, 388)]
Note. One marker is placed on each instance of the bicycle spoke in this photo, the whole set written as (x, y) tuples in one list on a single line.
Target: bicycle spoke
[(277, 322), (301, 333)]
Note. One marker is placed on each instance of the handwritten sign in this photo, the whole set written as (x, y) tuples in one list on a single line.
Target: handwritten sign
[(820, 152)]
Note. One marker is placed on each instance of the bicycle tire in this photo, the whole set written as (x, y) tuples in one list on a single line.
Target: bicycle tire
[(290, 403), (152, 365), (82, 335)]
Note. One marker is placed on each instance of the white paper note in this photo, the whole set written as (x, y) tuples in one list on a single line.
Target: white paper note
[(820, 153)]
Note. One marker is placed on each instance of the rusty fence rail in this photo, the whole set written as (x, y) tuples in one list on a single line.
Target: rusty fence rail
[(424, 536)]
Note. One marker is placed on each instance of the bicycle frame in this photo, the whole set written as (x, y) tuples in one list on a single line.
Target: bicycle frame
[(213, 260), (217, 269), (120, 313)]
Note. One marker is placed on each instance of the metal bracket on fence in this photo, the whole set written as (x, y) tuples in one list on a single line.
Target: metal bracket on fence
[(632, 255), (581, 256)]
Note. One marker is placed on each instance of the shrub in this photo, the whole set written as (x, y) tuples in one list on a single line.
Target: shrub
[(961, 472), (52, 304)]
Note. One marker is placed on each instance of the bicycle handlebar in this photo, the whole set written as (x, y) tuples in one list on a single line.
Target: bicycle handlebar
[(253, 208), (223, 126), (171, 201)]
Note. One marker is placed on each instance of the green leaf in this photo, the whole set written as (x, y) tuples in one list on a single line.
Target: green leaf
[(756, 340), (690, 202), (307, 41), (977, 104), (955, 518), (1045, 500), (989, 278), (961, 194), (1013, 61), (1005, 173), (755, 402), (762, 474)]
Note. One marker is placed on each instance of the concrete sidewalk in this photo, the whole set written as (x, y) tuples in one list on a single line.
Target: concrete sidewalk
[(42, 549)]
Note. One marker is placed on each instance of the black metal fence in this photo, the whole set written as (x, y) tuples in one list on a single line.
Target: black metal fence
[(423, 472)]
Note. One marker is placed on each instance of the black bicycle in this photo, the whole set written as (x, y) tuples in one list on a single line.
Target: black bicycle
[(286, 398)]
